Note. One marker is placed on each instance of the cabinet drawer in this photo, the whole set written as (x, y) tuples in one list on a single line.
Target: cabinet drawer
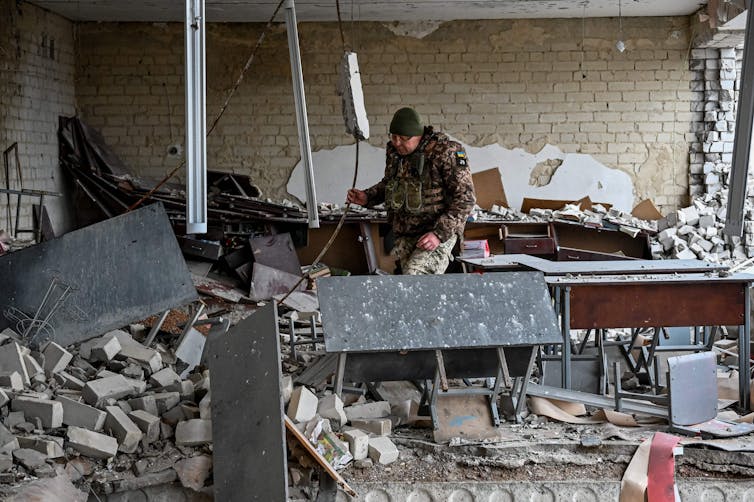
[(544, 245)]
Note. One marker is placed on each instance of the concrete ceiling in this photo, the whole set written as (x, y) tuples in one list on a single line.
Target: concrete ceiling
[(365, 10)]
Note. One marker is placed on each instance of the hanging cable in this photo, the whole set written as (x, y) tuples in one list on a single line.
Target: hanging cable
[(222, 108)]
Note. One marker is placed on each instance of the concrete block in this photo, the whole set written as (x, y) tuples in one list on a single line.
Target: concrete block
[(331, 407), (685, 230), (4, 398), (8, 442), (81, 415), (382, 450), (6, 462), (147, 423), (146, 403), (149, 358), (165, 401), (34, 369), (690, 215), (174, 415), (92, 444), (11, 380), (111, 387), (104, 348), (51, 447), (358, 443), (164, 377), (184, 388), (123, 428), (29, 458), (133, 371), (205, 407), (287, 388), (14, 418), (302, 406), (194, 432), (379, 409), (56, 358), (48, 411), (12, 359), (68, 381), (138, 386), (378, 426)]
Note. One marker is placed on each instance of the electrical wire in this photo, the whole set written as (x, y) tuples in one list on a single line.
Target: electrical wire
[(222, 108)]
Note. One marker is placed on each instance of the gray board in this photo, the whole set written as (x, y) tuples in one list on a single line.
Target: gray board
[(415, 312), (248, 431), (124, 269)]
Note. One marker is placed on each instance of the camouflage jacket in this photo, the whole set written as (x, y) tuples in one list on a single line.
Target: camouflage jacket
[(446, 188)]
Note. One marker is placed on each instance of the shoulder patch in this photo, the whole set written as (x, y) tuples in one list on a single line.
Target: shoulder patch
[(461, 160)]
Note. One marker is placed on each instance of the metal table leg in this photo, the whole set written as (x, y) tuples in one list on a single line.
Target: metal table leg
[(565, 321), (339, 374), (744, 353)]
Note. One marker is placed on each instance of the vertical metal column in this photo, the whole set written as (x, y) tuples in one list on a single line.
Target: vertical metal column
[(739, 171), (744, 353), (301, 120), (196, 119)]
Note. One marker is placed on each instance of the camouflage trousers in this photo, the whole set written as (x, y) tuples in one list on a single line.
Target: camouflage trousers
[(418, 261)]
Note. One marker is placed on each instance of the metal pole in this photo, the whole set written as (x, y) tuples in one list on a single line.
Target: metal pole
[(196, 119), (301, 121), (739, 171)]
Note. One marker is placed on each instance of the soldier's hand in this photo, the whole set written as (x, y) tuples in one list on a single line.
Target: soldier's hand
[(428, 241), (356, 196)]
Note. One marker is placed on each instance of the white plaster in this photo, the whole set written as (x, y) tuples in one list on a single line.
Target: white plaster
[(415, 29), (577, 176)]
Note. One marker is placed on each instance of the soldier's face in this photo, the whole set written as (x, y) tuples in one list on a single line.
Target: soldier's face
[(405, 144)]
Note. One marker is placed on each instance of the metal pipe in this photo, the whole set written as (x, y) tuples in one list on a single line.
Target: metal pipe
[(196, 119), (299, 98)]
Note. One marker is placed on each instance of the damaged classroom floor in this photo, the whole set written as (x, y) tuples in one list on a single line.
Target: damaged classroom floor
[(128, 412)]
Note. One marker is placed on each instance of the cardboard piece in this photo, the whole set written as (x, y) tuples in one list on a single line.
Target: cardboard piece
[(646, 210), (465, 416), (489, 189), (634, 483)]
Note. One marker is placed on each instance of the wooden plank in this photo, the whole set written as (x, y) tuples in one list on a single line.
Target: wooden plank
[(289, 425)]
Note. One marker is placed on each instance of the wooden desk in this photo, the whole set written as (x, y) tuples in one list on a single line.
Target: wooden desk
[(657, 300)]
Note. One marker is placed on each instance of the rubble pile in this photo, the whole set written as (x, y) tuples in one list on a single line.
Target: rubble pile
[(696, 232), (110, 414)]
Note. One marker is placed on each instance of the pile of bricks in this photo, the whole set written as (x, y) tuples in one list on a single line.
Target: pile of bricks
[(109, 401), (361, 429)]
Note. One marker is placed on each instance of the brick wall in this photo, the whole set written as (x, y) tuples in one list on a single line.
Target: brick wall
[(519, 83), (36, 86)]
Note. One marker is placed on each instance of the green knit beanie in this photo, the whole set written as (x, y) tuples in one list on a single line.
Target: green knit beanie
[(406, 122)]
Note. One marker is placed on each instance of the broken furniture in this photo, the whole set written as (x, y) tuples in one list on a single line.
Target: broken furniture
[(304, 328), (529, 238), (656, 300), (112, 263), (438, 327), (691, 398)]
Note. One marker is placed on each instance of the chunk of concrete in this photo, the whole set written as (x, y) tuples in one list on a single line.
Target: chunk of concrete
[(378, 409), (112, 387), (146, 403), (147, 423), (331, 407), (104, 348), (8, 442), (48, 411), (149, 358), (11, 380), (123, 428), (205, 407), (92, 444), (51, 447), (194, 432), (81, 414), (68, 381), (378, 426), (12, 359), (286, 385), (33, 369), (6, 462), (166, 401), (194, 471), (29, 458), (14, 418), (358, 443), (164, 378), (56, 358), (382, 450), (4, 398), (303, 405), (185, 388)]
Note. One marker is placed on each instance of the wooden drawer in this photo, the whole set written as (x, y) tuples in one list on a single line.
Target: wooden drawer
[(529, 238)]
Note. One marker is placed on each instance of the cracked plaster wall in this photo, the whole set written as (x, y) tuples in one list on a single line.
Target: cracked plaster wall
[(505, 83)]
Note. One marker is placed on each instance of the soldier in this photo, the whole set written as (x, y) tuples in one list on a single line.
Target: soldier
[(427, 191)]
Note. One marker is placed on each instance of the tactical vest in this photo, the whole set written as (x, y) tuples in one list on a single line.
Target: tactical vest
[(416, 193)]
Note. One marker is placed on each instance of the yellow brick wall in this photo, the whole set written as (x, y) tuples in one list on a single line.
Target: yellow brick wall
[(519, 83)]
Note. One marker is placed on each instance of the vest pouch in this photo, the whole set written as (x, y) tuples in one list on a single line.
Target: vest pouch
[(413, 195), (395, 194)]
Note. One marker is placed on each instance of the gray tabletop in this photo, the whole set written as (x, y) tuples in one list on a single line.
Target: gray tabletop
[(627, 279), (595, 267), (387, 313)]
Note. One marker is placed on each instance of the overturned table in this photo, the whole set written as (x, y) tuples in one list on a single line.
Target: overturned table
[(438, 327)]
